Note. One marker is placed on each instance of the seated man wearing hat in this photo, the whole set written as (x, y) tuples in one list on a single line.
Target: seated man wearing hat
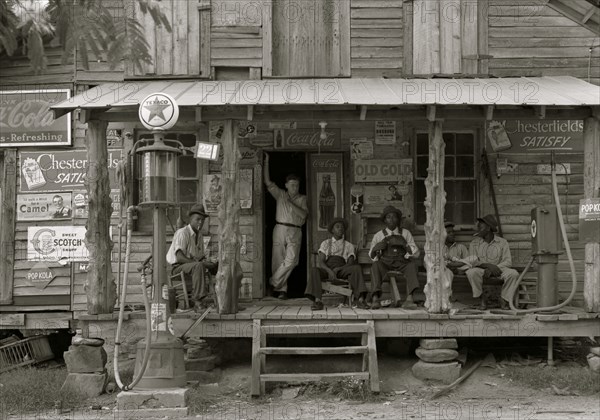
[(493, 259), (186, 255), (336, 259), (393, 249)]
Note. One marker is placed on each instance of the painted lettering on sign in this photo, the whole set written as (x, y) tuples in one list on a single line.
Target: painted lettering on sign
[(381, 170), (309, 139), (532, 136)]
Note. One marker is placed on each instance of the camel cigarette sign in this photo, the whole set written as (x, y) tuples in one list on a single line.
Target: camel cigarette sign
[(44, 206), (26, 119)]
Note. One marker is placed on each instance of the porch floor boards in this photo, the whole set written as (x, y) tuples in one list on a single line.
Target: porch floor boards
[(304, 312)]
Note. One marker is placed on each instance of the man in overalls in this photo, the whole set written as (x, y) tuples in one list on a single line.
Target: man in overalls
[(336, 259), (393, 248), (290, 215)]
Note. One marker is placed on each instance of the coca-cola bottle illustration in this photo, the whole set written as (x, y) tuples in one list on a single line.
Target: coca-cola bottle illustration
[(326, 203)]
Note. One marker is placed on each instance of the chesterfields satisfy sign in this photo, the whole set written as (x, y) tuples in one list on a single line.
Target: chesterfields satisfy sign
[(60, 170), (26, 118)]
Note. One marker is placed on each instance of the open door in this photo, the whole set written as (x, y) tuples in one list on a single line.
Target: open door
[(281, 165)]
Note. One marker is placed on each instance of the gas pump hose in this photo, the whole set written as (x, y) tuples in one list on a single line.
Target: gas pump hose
[(135, 380), (569, 256)]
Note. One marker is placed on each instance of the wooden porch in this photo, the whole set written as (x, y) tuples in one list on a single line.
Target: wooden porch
[(393, 322)]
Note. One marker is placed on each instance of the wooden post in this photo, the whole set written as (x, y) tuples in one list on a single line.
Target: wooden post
[(438, 287), (229, 274), (8, 174), (100, 283), (591, 189)]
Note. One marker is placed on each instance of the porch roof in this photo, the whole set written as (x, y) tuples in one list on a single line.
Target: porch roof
[(518, 91)]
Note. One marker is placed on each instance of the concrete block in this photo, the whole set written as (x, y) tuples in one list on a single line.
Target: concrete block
[(81, 341), (85, 359), (210, 377), (436, 355), (152, 398), (88, 385), (594, 362), (595, 350), (201, 364), (444, 372), (438, 343), (198, 352)]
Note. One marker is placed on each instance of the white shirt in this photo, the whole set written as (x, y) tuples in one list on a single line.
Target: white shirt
[(340, 248), (185, 240), (379, 236), (285, 211)]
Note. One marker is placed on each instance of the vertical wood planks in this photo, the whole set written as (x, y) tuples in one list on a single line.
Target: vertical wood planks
[(450, 36), (164, 41), (180, 37), (301, 20), (193, 39), (8, 170), (426, 37), (267, 27), (469, 36)]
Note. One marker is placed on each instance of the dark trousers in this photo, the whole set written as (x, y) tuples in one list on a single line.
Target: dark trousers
[(199, 282), (380, 268), (352, 273)]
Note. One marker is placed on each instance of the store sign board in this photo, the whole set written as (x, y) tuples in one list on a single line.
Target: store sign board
[(589, 220), (383, 170), (308, 139), (52, 206), (59, 170), (535, 136), (56, 243), (27, 121)]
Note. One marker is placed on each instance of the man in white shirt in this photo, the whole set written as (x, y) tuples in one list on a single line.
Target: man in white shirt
[(186, 255), (290, 215), (336, 259), (393, 248)]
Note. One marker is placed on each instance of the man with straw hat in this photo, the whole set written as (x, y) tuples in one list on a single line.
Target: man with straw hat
[(336, 259), (393, 248)]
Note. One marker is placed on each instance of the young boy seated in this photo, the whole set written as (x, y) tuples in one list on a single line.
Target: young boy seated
[(336, 259)]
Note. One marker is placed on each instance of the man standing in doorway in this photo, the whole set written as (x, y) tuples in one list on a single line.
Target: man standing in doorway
[(290, 215), (186, 255)]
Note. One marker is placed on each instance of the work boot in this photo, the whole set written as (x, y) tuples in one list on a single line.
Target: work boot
[(409, 303), (375, 304), (362, 304), (282, 296), (317, 305)]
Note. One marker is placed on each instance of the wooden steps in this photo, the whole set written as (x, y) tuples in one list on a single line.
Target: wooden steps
[(368, 349)]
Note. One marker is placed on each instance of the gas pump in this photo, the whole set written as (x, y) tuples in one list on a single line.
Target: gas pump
[(546, 247), (160, 356), (547, 229)]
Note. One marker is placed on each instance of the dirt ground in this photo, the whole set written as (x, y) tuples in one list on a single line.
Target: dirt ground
[(487, 394)]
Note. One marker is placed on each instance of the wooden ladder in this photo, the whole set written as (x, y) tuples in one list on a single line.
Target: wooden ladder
[(260, 351)]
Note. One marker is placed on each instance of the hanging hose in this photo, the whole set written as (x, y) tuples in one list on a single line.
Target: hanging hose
[(563, 232), (120, 384)]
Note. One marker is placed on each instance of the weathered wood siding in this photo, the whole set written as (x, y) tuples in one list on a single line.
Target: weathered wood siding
[(16, 70), (376, 38), (517, 194), (528, 38)]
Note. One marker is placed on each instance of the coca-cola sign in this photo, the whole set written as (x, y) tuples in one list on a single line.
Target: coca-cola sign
[(308, 139), (26, 119)]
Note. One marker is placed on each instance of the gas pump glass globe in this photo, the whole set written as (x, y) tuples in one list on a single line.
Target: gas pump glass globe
[(158, 178)]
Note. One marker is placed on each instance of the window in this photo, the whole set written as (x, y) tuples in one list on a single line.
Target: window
[(460, 182), (188, 181)]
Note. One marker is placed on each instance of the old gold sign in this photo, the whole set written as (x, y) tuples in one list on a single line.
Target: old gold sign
[(380, 170)]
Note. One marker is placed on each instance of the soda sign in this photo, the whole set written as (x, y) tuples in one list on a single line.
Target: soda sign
[(589, 220), (40, 275)]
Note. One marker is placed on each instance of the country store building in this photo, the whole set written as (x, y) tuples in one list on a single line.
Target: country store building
[(363, 94)]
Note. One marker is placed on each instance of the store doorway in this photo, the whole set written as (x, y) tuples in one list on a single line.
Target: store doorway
[(281, 165)]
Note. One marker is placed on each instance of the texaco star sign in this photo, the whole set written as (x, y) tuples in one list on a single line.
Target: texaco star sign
[(158, 111)]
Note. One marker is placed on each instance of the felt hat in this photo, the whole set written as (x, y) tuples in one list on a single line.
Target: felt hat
[(489, 220), (390, 209), (197, 209), (337, 220)]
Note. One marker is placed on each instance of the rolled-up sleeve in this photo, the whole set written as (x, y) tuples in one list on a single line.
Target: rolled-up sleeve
[(274, 190), (410, 241)]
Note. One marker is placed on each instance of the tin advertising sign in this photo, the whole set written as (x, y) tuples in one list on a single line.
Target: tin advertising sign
[(535, 136), (56, 243), (55, 206), (58, 170), (27, 121)]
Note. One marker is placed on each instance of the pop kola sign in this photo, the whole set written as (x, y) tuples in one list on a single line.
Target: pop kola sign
[(60, 170), (26, 119)]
